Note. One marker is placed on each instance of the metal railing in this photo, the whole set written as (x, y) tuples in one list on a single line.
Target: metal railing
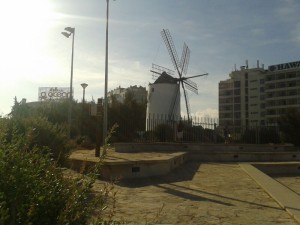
[(160, 128)]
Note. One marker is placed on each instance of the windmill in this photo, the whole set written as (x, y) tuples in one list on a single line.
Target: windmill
[(181, 69)]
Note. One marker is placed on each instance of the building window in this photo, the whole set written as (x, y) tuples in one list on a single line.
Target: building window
[(237, 84), (292, 92), (280, 76), (237, 91), (270, 77), (292, 84), (237, 99), (152, 89), (262, 81)]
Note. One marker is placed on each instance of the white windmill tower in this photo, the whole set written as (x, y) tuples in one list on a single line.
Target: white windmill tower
[(164, 94)]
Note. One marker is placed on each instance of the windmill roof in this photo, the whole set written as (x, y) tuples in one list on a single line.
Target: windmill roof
[(165, 78)]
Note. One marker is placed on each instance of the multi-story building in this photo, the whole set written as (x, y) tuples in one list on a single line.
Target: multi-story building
[(255, 96), (282, 88), (139, 94)]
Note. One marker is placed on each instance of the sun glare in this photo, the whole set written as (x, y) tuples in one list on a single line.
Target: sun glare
[(24, 25)]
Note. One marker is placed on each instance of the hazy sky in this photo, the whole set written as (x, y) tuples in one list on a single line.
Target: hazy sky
[(219, 33)]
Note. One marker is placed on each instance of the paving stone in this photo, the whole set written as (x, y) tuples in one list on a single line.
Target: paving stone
[(198, 193)]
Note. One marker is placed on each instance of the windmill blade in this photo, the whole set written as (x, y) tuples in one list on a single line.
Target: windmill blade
[(160, 69), (185, 57), (187, 103), (171, 49), (191, 86), (205, 74)]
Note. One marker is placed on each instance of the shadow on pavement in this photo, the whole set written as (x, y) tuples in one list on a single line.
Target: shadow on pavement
[(184, 172)]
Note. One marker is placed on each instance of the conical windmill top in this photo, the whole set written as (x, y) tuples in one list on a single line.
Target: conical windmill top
[(180, 68)]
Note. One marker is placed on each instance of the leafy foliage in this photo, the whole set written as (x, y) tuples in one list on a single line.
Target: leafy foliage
[(34, 191), (261, 135), (30, 133), (164, 132), (130, 117), (289, 124)]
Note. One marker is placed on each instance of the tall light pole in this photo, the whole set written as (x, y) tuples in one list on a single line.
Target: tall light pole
[(83, 85), (68, 34), (106, 77)]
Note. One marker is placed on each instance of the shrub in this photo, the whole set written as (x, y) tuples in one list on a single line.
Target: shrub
[(164, 132), (36, 132), (289, 124), (34, 191)]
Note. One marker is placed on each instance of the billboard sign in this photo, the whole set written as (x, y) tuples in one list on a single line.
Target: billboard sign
[(53, 93), (284, 66)]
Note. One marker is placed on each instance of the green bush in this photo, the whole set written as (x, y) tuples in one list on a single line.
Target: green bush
[(164, 132), (289, 124), (33, 191), (36, 132)]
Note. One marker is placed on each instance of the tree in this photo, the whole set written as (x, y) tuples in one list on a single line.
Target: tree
[(130, 117), (289, 124)]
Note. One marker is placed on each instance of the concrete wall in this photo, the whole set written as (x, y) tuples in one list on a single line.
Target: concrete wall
[(276, 169), (133, 169), (232, 156), (139, 169), (177, 147)]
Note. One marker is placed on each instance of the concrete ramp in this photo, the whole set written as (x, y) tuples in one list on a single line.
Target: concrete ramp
[(286, 198)]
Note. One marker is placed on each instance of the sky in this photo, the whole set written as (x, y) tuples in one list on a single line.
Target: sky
[(219, 34)]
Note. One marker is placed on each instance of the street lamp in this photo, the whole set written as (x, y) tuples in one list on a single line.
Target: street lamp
[(106, 77), (68, 34), (83, 85)]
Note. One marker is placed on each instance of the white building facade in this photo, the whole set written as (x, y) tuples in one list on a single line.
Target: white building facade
[(258, 96)]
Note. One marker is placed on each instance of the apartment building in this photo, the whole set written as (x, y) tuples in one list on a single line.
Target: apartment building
[(282, 89), (139, 94), (258, 96)]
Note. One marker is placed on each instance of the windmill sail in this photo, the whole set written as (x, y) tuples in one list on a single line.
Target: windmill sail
[(185, 57)]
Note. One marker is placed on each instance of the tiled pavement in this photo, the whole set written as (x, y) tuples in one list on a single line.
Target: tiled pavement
[(195, 193)]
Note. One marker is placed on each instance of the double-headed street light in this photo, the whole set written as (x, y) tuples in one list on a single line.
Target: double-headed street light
[(68, 34)]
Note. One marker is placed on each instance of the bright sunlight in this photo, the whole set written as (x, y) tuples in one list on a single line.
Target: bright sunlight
[(24, 26)]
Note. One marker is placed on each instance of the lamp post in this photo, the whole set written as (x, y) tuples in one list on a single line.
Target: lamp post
[(83, 85), (68, 34), (106, 77)]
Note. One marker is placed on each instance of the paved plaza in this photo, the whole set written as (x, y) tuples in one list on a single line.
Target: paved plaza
[(199, 193)]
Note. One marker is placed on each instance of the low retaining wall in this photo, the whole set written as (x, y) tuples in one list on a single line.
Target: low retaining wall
[(241, 156), (132, 169), (171, 147), (138, 169), (180, 153), (276, 169)]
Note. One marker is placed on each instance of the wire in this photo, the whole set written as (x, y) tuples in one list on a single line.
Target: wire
[(158, 48)]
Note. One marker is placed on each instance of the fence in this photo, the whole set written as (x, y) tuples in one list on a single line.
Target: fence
[(198, 130)]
